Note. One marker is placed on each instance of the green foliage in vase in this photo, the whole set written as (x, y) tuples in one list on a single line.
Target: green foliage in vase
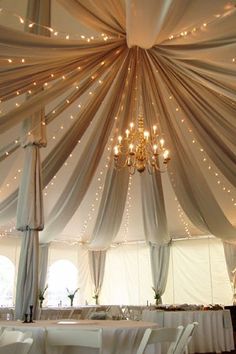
[(157, 295)]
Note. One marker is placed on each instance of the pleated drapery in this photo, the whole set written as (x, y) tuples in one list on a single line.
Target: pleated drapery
[(159, 257), (187, 81), (97, 260), (230, 258)]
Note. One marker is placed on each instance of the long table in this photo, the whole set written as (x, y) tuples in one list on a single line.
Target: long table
[(213, 334), (117, 336)]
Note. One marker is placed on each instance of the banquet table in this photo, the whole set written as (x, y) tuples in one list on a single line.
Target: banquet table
[(120, 336), (213, 334)]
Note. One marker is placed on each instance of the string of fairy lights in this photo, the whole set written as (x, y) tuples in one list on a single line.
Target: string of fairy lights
[(53, 137), (52, 31), (222, 185), (209, 165), (100, 174), (128, 205), (206, 162), (227, 11)]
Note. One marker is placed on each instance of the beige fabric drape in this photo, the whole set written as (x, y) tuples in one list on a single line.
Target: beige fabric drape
[(97, 260), (194, 67), (159, 257), (230, 258)]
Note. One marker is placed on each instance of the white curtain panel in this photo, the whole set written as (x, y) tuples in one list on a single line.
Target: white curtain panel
[(97, 261), (230, 258), (159, 256), (197, 273)]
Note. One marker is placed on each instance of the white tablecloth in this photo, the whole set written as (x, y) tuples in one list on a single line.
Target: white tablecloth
[(118, 336), (214, 333)]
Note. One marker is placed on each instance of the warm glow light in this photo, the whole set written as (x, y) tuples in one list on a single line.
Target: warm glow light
[(140, 149)]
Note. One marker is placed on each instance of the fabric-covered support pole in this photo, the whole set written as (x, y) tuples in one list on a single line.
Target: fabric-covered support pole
[(27, 280), (43, 264), (30, 219), (159, 257), (97, 261), (230, 258)]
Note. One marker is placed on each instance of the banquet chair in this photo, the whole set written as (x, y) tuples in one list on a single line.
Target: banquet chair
[(91, 338), (182, 345), (161, 335), (18, 347), (9, 336), (134, 313)]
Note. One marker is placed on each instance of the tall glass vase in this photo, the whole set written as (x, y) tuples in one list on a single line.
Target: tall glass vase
[(71, 300)]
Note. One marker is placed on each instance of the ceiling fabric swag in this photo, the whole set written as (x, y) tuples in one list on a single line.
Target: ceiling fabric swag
[(153, 206), (113, 200), (187, 83), (193, 193), (153, 209), (102, 16), (41, 99), (58, 155), (111, 209), (88, 162), (210, 124)]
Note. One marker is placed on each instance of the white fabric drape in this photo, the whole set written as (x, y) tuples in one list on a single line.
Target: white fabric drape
[(230, 258), (97, 260), (43, 264), (159, 257), (153, 208), (27, 277), (182, 59)]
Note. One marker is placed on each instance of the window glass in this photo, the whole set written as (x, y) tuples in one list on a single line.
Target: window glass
[(62, 281)]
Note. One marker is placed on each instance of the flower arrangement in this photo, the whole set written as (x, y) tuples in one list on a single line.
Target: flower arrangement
[(41, 295), (71, 295), (157, 295), (95, 296)]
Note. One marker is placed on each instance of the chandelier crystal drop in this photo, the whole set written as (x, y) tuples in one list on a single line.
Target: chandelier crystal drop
[(140, 149)]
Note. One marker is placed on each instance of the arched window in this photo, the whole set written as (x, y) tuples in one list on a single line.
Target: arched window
[(62, 275), (7, 273)]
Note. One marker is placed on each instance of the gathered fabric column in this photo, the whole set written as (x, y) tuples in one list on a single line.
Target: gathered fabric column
[(97, 261), (30, 216), (29, 220)]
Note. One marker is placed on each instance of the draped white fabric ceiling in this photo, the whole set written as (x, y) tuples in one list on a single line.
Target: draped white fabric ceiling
[(186, 67)]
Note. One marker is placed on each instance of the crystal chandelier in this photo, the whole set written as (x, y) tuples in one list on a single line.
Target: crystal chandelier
[(140, 149)]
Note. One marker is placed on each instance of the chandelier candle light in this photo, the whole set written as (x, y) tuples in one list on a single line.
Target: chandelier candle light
[(141, 149)]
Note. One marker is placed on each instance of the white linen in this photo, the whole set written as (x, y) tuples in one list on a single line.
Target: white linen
[(118, 336), (213, 334)]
